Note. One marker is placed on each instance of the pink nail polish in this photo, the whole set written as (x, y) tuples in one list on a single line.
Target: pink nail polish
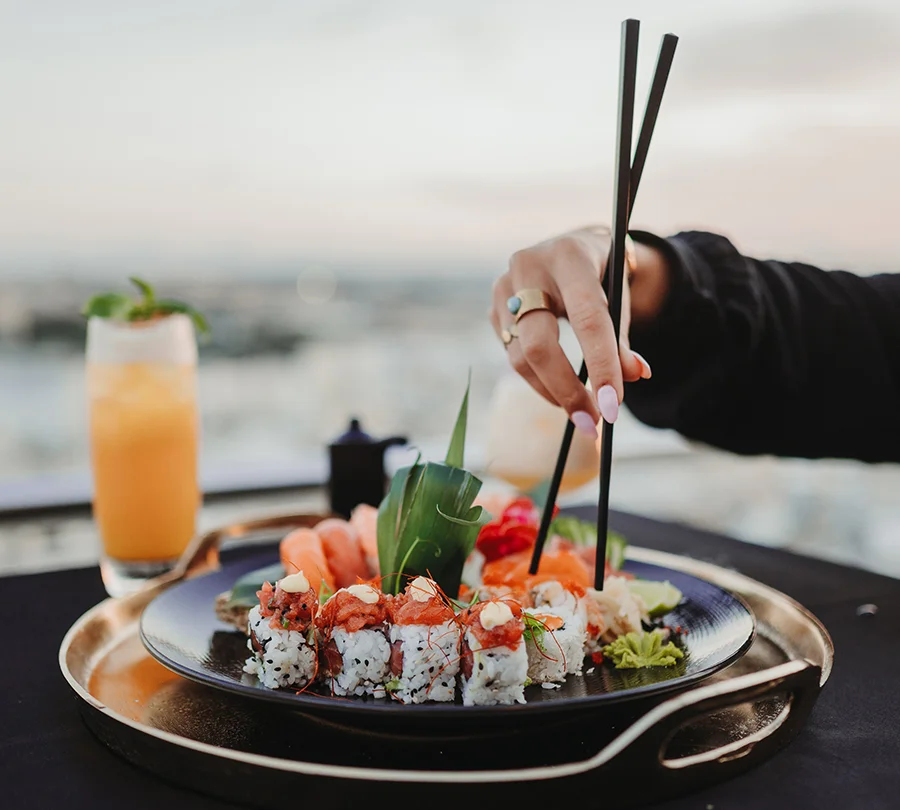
[(608, 402), (584, 422), (646, 372)]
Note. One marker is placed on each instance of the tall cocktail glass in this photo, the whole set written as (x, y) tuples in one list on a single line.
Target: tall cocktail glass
[(144, 424)]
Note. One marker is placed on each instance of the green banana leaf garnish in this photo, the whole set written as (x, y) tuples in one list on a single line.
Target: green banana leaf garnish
[(427, 524), (584, 533), (243, 593), (457, 450), (637, 650), (122, 308)]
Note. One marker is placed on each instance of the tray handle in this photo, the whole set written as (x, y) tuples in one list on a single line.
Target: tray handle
[(646, 740), (649, 738)]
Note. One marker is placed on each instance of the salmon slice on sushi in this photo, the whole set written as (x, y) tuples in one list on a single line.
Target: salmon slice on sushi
[(494, 661), (424, 644), (353, 627), (282, 633)]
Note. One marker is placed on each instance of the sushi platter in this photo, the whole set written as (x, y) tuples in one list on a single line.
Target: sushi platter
[(224, 738)]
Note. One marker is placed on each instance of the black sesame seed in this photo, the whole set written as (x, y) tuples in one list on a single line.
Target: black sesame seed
[(443, 684), (303, 606), (480, 665), (367, 662), (269, 661), (431, 669), (278, 669), (356, 661)]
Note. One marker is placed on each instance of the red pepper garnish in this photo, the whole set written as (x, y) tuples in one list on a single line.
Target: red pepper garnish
[(514, 530), (499, 538), (597, 657)]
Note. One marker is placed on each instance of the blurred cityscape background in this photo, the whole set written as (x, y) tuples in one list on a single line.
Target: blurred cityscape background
[(337, 183)]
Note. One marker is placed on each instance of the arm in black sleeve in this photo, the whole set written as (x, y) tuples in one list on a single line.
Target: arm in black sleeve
[(771, 357)]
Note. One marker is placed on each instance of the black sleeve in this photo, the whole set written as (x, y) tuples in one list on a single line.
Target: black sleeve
[(771, 357)]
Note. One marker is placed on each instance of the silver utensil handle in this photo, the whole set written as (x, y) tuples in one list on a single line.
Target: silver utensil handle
[(202, 553)]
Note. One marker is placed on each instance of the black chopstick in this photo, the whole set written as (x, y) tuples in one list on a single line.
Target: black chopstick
[(654, 101), (615, 271)]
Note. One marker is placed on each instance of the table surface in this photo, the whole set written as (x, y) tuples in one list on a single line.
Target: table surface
[(846, 757)]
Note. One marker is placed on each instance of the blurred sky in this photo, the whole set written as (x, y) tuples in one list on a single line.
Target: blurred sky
[(235, 137)]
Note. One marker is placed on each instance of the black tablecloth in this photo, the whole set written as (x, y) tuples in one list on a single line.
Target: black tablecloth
[(848, 756)]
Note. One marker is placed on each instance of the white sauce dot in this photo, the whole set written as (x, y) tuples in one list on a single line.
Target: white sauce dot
[(365, 593), (422, 589), (295, 583), (494, 614)]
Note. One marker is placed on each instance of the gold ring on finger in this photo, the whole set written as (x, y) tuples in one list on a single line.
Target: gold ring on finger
[(529, 300)]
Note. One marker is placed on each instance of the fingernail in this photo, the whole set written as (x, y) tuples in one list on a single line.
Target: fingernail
[(646, 371), (585, 423), (608, 402)]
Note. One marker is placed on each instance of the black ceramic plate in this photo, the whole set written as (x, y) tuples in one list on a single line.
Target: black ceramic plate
[(180, 630)]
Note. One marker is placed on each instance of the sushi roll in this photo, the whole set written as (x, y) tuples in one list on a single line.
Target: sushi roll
[(561, 597), (424, 645), (493, 657), (282, 633), (554, 641), (353, 628), (517, 594)]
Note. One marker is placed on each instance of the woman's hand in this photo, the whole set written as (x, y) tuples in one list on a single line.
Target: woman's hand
[(569, 269)]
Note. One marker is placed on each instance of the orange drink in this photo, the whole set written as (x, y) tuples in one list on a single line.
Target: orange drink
[(144, 441), (524, 434)]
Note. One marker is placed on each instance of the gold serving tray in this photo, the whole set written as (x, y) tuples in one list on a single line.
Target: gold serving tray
[(235, 748)]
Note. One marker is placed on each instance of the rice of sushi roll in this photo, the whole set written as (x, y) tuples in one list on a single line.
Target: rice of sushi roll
[(554, 641), (353, 625), (282, 633), (424, 645), (494, 660)]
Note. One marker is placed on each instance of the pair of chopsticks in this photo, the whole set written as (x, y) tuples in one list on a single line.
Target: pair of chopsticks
[(628, 178)]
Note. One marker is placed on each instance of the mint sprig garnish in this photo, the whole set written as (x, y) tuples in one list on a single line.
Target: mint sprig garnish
[(146, 308)]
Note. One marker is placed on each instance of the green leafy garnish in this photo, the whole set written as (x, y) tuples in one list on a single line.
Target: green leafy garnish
[(398, 576), (459, 605), (285, 622), (528, 682), (243, 593), (392, 685), (144, 288), (638, 650), (457, 450), (584, 533), (108, 305), (122, 308), (534, 630), (427, 524), (325, 593)]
